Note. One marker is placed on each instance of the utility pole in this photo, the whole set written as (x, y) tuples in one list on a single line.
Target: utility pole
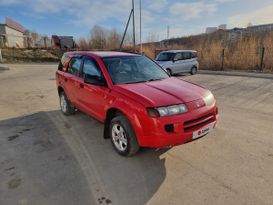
[(1, 59), (134, 28), (125, 31), (140, 25), (262, 59), (222, 59), (168, 32), (132, 13)]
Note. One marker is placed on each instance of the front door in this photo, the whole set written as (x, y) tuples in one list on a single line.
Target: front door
[(92, 98)]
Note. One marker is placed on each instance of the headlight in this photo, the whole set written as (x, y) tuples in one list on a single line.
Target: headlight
[(209, 99), (167, 111)]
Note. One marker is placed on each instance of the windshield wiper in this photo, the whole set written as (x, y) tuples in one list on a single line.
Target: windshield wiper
[(154, 79), (145, 81)]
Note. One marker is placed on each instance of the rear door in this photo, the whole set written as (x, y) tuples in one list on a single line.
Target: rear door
[(179, 63), (72, 79), (92, 98), (188, 61)]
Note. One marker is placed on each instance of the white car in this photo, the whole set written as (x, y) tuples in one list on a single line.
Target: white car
[(178, 61)]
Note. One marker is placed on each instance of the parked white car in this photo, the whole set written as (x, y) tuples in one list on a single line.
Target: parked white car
[(178, 61)]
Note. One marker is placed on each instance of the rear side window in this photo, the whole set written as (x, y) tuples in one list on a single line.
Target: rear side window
[(74, 66), (91, 68), (186, 55), (193, 55), (178, 56), (63, 61)]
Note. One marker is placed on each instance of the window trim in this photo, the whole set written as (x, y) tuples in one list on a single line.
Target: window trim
[(97, 64)]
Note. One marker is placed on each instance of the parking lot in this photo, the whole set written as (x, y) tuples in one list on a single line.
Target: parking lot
[(50, 159)]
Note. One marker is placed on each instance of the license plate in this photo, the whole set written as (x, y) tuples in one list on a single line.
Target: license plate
[(200, 133)]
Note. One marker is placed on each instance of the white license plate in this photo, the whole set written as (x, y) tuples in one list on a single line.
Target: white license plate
[(200, 133)]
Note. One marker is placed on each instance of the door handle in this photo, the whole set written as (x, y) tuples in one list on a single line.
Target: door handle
[(81, 85)]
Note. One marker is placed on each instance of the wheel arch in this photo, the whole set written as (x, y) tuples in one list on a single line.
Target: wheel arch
[(60, 89), (110, 114), (121, 110)]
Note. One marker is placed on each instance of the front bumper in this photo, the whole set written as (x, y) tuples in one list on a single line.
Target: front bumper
[(175, 130)]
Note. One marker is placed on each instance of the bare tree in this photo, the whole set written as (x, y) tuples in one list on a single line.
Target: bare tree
[(103, 38), (83, 44), (98, 37), (113, 39)]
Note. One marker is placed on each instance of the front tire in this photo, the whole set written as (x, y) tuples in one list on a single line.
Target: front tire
[(123, 136), (66, 107), (193, 70)]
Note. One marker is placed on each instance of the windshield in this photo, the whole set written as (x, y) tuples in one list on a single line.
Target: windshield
[(133, 69), (165, 56)]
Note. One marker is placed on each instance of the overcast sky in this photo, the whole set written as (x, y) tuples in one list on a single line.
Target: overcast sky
[(77, 17)]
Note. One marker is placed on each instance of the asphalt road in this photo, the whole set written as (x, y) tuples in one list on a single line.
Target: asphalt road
[(49, 159)]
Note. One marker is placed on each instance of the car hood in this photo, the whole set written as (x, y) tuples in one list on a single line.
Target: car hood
[(165, 92)]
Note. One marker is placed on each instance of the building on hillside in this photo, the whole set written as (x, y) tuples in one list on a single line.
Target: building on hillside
[(12, 34), (211, 30), (235, 34), (214, 29), (260, 28), (222, 27), (62, 42)]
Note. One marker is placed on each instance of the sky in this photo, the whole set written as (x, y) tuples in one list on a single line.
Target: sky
[(184, 17)]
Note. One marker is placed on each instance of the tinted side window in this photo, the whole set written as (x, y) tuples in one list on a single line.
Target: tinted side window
[(186, 55), (63, 61), (193, 55), (91, 68), (74, 66)]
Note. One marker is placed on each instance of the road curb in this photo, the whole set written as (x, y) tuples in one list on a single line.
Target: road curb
[(4, 68), (239, 74)]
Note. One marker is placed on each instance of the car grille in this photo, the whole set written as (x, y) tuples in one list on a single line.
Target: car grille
[(198, 123)]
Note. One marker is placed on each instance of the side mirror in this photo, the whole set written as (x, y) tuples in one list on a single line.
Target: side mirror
[(94, 80)]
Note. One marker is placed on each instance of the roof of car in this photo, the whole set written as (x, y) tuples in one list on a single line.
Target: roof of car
[(104, 54), (176, 51)]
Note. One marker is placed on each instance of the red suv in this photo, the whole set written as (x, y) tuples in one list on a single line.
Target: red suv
[(139, 103)]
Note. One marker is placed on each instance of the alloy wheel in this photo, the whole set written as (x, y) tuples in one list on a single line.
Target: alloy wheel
[(119, 137)]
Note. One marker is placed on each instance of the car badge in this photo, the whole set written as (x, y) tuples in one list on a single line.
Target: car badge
[(197, 104)]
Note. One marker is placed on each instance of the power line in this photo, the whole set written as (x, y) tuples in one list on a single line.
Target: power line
[(140, 25), (168, 31)]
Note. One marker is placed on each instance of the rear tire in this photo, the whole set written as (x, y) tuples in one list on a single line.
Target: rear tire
[(66, 106), (193, 70), (123, 136)]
